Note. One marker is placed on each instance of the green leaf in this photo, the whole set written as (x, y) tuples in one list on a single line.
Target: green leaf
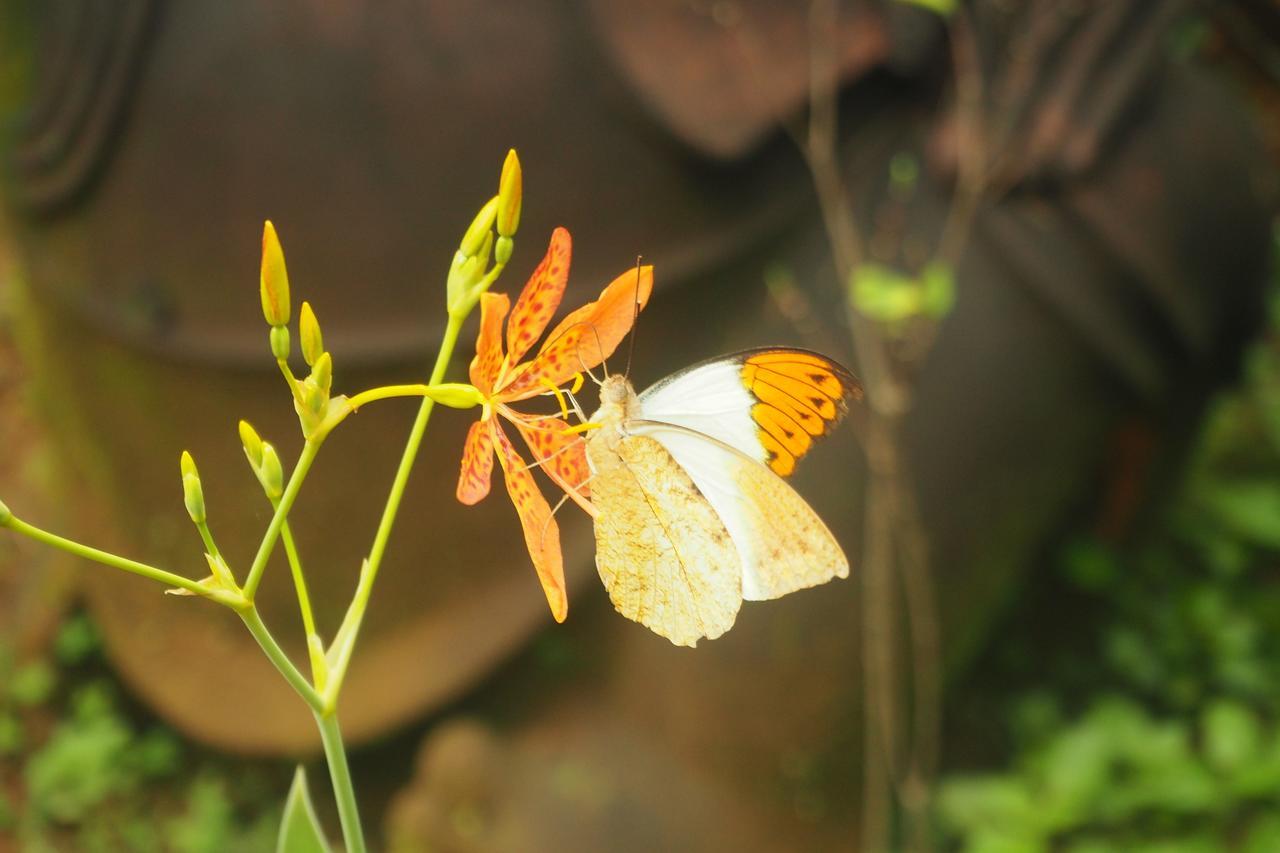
[(300, 830), (1231, 735), (1249, 508), (941, 8)]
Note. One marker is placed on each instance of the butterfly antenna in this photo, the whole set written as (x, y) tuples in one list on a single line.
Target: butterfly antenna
[(635, 316), (599, 348)]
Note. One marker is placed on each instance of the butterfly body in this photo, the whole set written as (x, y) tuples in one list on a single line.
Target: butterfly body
[(692, 514)]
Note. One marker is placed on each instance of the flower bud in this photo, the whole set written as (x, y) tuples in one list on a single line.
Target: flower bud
[(271, 472), (502, 250), (280, 342), (314, 398), (192, 492), (274, 279), (480, 226), (252, 444), (456, 395), (322, 372), (510, 195), (309, 334)]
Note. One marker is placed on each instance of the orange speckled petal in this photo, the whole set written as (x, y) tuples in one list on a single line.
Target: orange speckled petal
[(488, 358), (540, 297), (563, 455), (541, 534), (586, 337), (477, 464)]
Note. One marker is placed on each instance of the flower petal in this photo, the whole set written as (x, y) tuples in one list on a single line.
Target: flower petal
[(488, 358), (541, 534), (584, 338), (540, 297), (563, 455), (477, 463)]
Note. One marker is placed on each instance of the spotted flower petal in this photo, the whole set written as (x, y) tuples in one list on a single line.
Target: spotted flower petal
[(487, 363), (584, 338), (541, 533), (540, 298), (562, 454), (477, 463)]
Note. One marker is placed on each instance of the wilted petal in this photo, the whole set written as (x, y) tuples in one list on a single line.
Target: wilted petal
[(488, 358), (586, 337), (477, 463), (540, 297), (541, 534)]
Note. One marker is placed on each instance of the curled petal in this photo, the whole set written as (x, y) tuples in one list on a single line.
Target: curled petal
[(540, 297), (586, 337), (488, 358), (541, 534), (563, 455), (477, 463)]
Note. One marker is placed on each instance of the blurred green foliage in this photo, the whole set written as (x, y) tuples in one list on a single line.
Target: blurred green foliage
[(80, 771), (1148, 716)]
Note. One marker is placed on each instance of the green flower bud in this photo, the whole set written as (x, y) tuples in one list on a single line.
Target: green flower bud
[(309, 334), (192, 492), (280, 342), (314, 397), (502, 250), (480, 226), (252, 444), (510, 195), (456, 395), (273, 279), (271, 473), (322, 372)]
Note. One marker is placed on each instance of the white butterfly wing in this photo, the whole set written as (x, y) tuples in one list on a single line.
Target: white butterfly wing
[(782, 544)]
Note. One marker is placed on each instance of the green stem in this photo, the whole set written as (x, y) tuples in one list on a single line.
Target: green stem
[(355, 612), (386, 392), (299, 579), (340, 774), (309, 451), (253, 621), (226, 597)]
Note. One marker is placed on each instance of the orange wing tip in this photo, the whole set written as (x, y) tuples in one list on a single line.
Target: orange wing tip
[(801, 396)]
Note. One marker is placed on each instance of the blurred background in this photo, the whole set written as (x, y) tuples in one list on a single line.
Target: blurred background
[(1041, 233)]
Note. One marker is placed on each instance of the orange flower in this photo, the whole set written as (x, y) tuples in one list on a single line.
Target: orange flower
[(581, 341)]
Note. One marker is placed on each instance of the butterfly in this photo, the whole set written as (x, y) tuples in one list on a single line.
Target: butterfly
[(693, 514)]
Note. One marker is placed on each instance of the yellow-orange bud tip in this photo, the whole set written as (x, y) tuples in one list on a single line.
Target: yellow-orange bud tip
[(309, 334), (273, 279), (510, 195)]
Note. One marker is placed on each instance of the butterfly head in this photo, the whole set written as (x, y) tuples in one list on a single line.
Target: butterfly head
[(615, 390)]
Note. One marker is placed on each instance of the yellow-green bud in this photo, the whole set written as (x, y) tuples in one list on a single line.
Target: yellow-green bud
[(510, 195), (5, 514), (280, 342), (480, 226), (456, 395), (309, 334), (314, 397), (270, 472), (273, 279), (192, 492), (252, 444), (502, 250), (322, 371), (486, 248)]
